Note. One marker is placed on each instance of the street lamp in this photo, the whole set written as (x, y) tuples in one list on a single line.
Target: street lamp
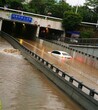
[(77, 7)]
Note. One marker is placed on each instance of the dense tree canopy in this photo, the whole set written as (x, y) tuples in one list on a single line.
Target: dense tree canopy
[(71, 20), (87, 14), (54, 8), (14, 4), (92, 3), (48, 6), (58, 9), (93, 6)]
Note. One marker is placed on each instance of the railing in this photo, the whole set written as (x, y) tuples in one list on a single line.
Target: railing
[(92, 93), (70, 47), (30, 14), (79, 85), (82, 41)]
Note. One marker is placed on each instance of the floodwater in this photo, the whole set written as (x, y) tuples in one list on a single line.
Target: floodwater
[(84, 73), (24, 87)]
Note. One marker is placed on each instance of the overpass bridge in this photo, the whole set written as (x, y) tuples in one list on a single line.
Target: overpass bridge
[(22, 23)]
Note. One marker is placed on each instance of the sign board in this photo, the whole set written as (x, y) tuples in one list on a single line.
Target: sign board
[(21, 18)]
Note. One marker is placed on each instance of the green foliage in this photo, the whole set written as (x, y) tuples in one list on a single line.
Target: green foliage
[(58, 9), (55, 9), (71, 20), (2, 2), (87, 14), (49, 6), (14, 4), (87, 34), (91, 3), (41, 7), (94, 6)]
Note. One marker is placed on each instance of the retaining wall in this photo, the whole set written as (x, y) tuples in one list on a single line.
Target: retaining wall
[(85, 55)]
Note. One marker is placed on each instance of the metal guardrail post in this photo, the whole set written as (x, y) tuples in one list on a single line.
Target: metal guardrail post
[(71, 79), (91, 93), (80, 85), (57, 70), (51, 66), (63, 74), (47, 63)]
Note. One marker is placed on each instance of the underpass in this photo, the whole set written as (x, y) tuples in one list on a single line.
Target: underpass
[(24, 87), (74, 68), (80, 71), (76, 89)]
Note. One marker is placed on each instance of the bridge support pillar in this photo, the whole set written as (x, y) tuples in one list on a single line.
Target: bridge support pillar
[(0, 24), (37, 32)]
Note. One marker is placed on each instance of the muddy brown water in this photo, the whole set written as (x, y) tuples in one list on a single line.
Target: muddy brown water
[(80, 71), (24, 87)]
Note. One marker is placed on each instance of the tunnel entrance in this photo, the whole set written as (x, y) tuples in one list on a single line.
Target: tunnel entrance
[(51, 34), (19, 30)]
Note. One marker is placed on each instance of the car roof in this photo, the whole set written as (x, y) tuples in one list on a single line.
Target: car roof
[(60, 51)]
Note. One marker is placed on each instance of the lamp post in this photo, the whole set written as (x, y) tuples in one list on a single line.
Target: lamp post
[(77, 7)]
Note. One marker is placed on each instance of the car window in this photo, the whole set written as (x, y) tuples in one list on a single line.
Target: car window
[(56, 52)]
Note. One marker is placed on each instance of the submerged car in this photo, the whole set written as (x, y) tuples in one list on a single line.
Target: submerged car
[(61, 54)]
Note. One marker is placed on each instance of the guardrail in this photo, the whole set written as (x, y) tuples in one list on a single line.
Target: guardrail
[(81, 41), (65, 76), (70, 47), (29, 13), (91, 96)]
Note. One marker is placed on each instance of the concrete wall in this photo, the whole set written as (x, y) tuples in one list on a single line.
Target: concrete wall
[(40, 20), (90, 50), (86, 55)]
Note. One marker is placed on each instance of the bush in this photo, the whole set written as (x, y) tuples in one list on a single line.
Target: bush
[(87, 34)]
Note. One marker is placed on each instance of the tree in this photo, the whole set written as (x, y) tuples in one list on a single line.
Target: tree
[(41, 6), (12, 3), (2, 2), (91, 3), (16, 5), (87, 14), (71, 21), (47, 7), (58, 9)]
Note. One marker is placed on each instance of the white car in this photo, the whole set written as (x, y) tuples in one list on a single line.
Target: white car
[(61, 54), (73, 41)]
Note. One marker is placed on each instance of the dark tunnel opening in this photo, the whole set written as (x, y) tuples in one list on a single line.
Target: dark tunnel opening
[(51, 34), (19, 30), (28, 31)]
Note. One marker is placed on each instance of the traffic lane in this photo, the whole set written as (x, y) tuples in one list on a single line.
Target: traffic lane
[(65, 65), (24, 87)]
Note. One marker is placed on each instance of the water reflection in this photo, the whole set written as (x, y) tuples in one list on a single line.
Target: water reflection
[(21, 41), (77, 69), (24, 87)]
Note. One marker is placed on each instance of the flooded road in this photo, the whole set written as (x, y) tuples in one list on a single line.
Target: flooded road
[(80, 71), (24, 87)]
